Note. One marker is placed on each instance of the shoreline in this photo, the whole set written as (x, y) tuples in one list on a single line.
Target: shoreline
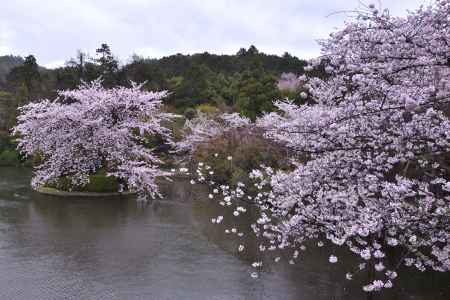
[(56, 192)]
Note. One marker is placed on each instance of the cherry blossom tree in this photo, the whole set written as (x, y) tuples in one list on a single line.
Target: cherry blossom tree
[(374, 174), (89, 128)]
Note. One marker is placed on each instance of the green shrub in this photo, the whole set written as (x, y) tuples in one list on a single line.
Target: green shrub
[(101, 184), (98, 183), (207, 109), (62, 184), (9, 158)]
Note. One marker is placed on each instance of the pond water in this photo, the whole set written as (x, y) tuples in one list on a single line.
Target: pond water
[(117, 248)]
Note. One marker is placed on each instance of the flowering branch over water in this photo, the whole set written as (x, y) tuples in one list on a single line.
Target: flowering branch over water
[(375, 177)]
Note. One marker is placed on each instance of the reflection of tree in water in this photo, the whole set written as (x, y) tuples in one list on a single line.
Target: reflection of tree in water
[(84, 212), (96, 232)]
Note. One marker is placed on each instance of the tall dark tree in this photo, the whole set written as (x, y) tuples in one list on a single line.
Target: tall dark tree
[(241, 52), (192, 90), (252, 50), (28, 75), (255, 92), (79, 63), (108, 65), (30, 70)]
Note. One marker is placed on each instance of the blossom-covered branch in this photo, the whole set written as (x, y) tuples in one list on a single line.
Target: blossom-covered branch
[(373, 174), (203, 128), (374, 177)]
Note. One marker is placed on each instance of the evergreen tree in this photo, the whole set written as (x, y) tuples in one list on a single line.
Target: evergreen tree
[(26, 74), (108, 65), (256, 90)]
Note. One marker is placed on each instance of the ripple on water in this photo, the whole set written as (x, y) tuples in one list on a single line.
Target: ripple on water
[(7, 203), (4, 227), (21, 196)]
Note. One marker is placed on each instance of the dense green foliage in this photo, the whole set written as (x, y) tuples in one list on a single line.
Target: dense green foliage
[(220, 80), (8, 105), (255, 92), (7, 63)]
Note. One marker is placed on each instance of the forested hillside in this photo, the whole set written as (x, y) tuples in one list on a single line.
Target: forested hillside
[(245, 82)]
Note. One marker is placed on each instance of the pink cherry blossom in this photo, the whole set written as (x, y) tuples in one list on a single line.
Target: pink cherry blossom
[(369, 170), (89, 128)]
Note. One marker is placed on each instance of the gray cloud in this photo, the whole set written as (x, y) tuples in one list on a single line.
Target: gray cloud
[(53, 30)]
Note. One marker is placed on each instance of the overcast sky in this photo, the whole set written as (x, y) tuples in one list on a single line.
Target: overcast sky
[(53, 30)]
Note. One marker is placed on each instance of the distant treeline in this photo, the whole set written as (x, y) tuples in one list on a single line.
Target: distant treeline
[(245, 82)]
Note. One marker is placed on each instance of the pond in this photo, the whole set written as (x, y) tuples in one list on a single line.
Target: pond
[(118, 248)]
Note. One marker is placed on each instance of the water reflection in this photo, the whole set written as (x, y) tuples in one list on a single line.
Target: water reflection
[(116, 248)]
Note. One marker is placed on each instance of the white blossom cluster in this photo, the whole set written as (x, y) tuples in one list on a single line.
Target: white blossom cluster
[(90, 128), (289, 82), (373, 175)]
